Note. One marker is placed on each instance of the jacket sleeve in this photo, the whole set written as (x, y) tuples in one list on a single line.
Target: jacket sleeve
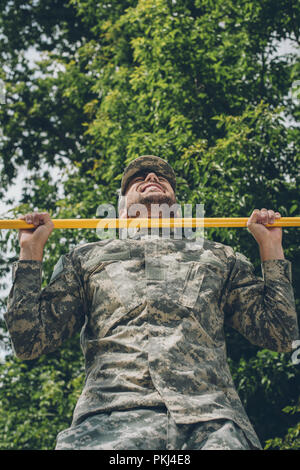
[(262, 309), (38, 320)]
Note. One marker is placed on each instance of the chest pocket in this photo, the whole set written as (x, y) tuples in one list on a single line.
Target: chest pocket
[(183, 281), (113, 275), (192, 285), (125, 283), (193, 281)]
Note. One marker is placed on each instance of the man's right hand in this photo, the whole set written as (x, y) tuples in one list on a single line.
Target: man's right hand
[(32, 241)]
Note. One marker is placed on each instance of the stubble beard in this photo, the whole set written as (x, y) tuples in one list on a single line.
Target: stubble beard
[(154, 199)]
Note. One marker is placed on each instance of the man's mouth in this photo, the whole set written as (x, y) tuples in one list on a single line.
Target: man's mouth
[(153, 187)]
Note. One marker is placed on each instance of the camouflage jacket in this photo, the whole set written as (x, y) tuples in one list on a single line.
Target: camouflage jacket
[(151, 313)]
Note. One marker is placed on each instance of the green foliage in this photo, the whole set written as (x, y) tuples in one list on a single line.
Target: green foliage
[(199, 83), (266, 382), (37, 398)]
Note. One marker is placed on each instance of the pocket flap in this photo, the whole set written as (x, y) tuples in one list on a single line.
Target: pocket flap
[(192, 285)]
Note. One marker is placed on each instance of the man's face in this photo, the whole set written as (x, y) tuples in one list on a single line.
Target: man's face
[(149, 188)]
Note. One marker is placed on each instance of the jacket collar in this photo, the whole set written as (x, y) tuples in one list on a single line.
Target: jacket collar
[(173, 233)]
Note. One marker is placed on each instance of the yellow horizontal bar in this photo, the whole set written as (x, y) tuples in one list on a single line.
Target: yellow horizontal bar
[(132, 223)]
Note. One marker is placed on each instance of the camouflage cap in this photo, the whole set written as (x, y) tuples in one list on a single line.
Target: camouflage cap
[(148, 162)]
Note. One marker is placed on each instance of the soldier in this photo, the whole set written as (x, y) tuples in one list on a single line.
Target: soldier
[(151, 311)]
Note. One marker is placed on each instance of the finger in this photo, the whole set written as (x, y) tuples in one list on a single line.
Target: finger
[(254, 217), (44, 217), (271, 216), (264, 216), (28, 218), (36, 218), (41, 218)]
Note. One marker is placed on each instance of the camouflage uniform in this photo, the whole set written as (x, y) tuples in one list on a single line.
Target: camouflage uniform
[(151, 313), (149, 429)]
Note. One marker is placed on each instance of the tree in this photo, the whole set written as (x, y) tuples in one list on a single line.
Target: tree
[(196, 82)]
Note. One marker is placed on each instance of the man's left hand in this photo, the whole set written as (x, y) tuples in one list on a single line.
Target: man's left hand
[(269, 239)]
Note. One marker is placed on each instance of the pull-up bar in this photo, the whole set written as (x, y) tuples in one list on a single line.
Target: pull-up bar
[(155, 223)]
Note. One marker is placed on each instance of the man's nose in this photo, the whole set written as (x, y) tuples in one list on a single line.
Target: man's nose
[(152, 177)]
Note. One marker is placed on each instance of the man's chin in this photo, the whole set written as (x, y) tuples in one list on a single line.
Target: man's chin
[(156, 198)]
